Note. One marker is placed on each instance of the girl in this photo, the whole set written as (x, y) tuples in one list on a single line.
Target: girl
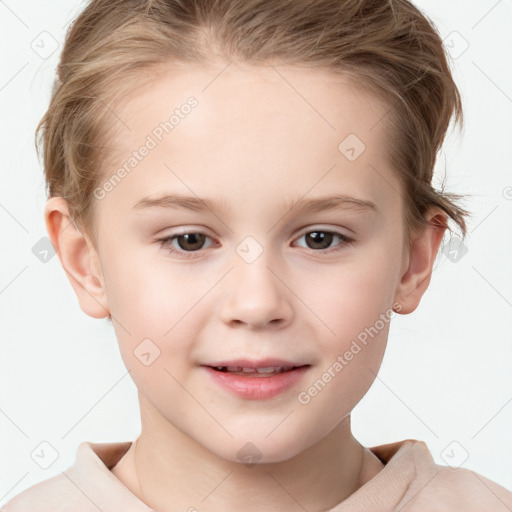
[(244, 189)]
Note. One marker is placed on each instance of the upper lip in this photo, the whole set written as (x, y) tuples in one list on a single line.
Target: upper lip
[(263, 363)]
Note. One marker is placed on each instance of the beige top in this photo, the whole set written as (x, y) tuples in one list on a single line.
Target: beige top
[(409, 482)]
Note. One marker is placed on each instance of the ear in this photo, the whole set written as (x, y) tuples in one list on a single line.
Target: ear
[(419, 261), (78, 257)]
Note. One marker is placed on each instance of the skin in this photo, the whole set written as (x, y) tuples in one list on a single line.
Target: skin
[(256, 143)]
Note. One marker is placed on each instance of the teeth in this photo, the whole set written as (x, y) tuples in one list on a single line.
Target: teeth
[(270, 369)]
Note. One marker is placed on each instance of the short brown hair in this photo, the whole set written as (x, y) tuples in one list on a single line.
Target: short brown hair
[(388, 46)]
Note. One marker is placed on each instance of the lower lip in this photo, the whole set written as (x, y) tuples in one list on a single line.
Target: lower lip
[(257, 388)]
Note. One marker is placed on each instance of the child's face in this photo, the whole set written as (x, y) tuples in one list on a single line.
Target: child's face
[(260, 284)]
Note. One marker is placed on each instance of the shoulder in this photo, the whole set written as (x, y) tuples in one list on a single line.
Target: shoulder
[(459, 489), (56, 494), (86, 486), (446, 489)]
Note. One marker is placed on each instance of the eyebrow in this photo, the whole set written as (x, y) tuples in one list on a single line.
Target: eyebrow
[(197, 204)]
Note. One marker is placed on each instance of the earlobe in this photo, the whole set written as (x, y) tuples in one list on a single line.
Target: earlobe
[(78, 258), (416, 278)]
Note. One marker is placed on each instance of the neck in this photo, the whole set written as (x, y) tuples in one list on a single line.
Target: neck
[(174, 473)]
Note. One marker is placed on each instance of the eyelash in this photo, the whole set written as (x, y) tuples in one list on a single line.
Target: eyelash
[(165, 242)]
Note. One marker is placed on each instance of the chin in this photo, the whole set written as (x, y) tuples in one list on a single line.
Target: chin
[(254, 449)]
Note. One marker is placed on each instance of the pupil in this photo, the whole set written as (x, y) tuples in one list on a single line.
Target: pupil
[(191, 239), (319, 237)]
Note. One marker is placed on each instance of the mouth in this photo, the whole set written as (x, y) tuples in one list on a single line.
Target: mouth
[(261, 380), (267, 367), (248, 371)]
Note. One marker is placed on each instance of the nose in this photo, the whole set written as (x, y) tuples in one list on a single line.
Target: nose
[(256, 296)]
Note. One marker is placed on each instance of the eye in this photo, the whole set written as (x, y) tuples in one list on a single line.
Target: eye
[(322, 239), (185, 243)]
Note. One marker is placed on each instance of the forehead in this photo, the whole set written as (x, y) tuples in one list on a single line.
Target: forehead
[(257, 127), (321, 99)]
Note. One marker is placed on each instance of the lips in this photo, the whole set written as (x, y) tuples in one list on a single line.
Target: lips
[(254, 385)]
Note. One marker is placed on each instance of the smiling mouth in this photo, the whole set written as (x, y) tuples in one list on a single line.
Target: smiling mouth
[(255, 372)]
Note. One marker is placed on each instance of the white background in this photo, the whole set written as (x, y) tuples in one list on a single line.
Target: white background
[(446, 375)]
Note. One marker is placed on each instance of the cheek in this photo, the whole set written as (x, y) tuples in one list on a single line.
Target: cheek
[(352, 295), (154, 311), (147, 292), (355, 306), (352, 354)]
